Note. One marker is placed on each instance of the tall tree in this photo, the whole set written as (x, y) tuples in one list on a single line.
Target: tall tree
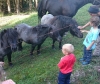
[(30, 5), (8, 5), (17, 6), (35, 4), (0, 6)]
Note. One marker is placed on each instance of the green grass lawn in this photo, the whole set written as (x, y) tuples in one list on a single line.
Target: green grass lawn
[(42, 69)]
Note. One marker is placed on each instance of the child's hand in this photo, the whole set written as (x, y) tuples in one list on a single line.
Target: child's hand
[(88, 48), (61, 58), (84, 31), (80, 27), (2, 63)]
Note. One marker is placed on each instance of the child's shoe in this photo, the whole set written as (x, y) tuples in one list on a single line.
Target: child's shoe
[(85, 63), (81, 60)]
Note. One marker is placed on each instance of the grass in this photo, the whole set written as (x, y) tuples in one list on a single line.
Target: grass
[(42, 69)]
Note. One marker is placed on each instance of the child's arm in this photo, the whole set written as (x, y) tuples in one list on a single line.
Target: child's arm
[(82, 27), (84, 31), (61, 64), (94, 38), (89, 47)]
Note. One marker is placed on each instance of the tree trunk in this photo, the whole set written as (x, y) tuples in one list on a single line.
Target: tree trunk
[(20, 3), (8, 5), (0, 6), (17, 6), (30, 5), (35, 4)]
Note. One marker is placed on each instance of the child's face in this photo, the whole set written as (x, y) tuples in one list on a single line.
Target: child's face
[(64, 51), (91, 14), (91, 24)]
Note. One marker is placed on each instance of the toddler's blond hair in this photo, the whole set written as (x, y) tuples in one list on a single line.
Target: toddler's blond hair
[(68, 48)]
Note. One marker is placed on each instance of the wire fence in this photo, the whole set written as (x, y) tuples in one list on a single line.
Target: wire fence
[(77, 75)]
